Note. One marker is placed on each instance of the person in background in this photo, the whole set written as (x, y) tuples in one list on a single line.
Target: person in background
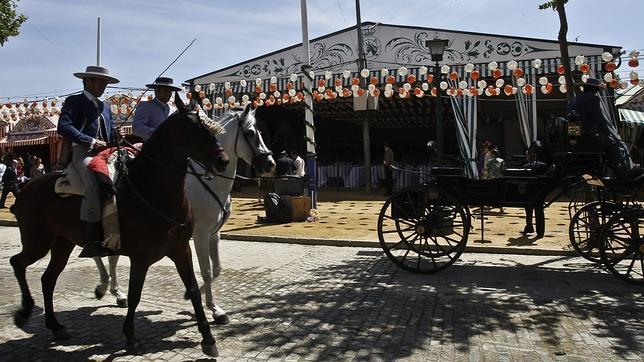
[(299, 164), (9, 182), (38, 169), (534, 163), (284, 165), (149, 115), (3, 168), (494, 165), (388, 162), (485, 148)]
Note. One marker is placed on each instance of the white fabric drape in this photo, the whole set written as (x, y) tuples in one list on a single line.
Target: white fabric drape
[(527, 112), (466, 116)]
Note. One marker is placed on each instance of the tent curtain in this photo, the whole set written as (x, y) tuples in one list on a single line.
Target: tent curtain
[(526, 110), (466, 116)]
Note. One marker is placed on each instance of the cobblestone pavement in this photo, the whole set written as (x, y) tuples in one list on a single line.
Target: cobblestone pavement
[(300, 302)]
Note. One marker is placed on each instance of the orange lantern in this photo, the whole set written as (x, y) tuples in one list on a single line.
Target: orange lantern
[(497, 73), (255, 104), (459, 92), (355, 81), (376, 92), (374, 80), (635, 81), (453, 76), (346, 92), (475, 75), (584, 68), (229, 92), (474, 91), (411, 79), (518, 72), (329, 93), (528, 89), (300, 95), (434, 91), (549, 87), (633, 63), (338, 82), (610, 66), (613, 83), (561, 69), (360, 92), (272, 87), (289, 85), (417, 91), (430, 78), (507, 89), (391, 79), (258, 89), (321, 83)]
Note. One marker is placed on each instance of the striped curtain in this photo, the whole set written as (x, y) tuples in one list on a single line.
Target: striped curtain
[(466, 115), (527, 112)]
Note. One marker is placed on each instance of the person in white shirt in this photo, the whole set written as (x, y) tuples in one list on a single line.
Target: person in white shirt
[(299, 164)]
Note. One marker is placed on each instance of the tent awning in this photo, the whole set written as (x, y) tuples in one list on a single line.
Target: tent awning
[(24, 142), (633, 116)]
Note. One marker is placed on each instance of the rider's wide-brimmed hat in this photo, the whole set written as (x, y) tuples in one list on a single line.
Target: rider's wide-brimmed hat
[(592, 83), (163, 82), (94, 71)]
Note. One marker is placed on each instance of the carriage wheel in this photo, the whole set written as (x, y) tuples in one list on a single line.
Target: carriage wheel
[(586, 226), (622, 247), (423, 229)]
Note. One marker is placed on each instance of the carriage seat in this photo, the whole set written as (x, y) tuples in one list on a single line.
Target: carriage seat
[(289, 185)]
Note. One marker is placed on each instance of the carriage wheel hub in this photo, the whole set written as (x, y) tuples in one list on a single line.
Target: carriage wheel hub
[(423, 228)]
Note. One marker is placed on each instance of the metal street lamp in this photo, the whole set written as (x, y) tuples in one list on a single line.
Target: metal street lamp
[(436, 49)]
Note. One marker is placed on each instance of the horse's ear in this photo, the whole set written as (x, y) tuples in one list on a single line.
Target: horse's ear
[(247, 110), (178, 102)]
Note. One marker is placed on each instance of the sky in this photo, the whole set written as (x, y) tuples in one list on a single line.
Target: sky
[(140, 38)]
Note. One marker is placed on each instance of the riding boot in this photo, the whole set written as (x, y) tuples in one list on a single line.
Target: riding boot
[(93, 238)]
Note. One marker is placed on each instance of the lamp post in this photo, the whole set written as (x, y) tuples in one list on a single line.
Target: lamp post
[(436, 49)]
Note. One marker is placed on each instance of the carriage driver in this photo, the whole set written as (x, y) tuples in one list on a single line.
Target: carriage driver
[(149, 115), (87, 123)]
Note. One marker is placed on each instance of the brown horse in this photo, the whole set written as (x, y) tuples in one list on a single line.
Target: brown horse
[(155, 220)]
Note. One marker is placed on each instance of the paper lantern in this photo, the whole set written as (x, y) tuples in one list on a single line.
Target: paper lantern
[(518, 72), (291, 93), (407, 87), (445, 69), (499, 83), (371, 87), (488, 91), (561, 69), (346, 74), (462, 84), (114, 109), (633, 75), (365, 73), (425, 86), (512, 65), (452, 92), (563, 88), (229, 92), (289, 85), (579, 60), (443, 85), (402, 71), (262, 96), (411, 78), (418, 92), (584, 68), (608, 77), (634, 54), (481, 84), (453, 76), (389, 93), (528, 89), (584, 78), (434, 91), (258, 81), (376, 92), (346, 92), (338, 89), (633, 63), (613, 83), (607, 57), (543, 80), (355, 87), (231, 99), (561, 79), (520, 82), (321, 89), (321, 83), (507, 90), (610, 66), (276, 94), (373, 80), (273, 80), (430, 78), (635, 81), (497, 73), (355, 81), (272, 87), (389, 86), (492, 65), (475, 75), (469, 67), (211, 87), (384, 72), (338, 82), (537, 63), (544, 90), (422, 70), (359, 93), (391, 79)]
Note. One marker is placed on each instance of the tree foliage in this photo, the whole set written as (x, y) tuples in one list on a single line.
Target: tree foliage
[(10, 21)]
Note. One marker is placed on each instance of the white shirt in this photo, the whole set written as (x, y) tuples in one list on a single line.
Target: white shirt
[(299, 166)]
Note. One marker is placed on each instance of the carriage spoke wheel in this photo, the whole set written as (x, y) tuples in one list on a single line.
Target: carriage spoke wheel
[(622, 247), (586, 225), (423, 229)]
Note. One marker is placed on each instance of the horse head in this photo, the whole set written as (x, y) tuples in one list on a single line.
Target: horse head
[(199, 137), (249, 144)]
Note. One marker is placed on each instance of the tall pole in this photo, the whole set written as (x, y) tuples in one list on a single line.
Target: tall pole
[(362, 64), (439, 113), (311, 166), (98, 41)]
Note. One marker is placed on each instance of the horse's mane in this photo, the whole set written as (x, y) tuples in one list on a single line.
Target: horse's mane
[(227, 117)]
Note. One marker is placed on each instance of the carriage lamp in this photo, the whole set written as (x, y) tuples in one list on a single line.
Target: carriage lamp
[(436, 49)]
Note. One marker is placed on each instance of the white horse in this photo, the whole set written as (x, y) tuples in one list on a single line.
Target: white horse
[(110, 280), (210, 198)]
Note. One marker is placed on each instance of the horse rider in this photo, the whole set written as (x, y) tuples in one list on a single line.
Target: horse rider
[(87, 123), (149, 115), (595, 128)]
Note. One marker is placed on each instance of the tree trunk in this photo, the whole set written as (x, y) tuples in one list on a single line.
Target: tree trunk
[(563, 46)]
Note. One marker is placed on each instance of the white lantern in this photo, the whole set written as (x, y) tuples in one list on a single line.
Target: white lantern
[(211, 87), (520, 82), (226, 86), (515, 90), (260, 103), (469, 67), (231, 99), (242, 83), (487, 92), (445, 69), (206, 101), (113, 108), (371, 88), (355, 87), (365, 73), (276, 94), (273, 80), (623, 85), (443, 85), (384, 72), (262, 95), (537, 63), (425, 87), (291, 92), (563, 89), (607, 57), (293, 77), (312, 74), (389, 93), (561, 79), (544, 89), (634, 54), (258, 81), (633, 75), (337, 89), (543, 80), (466, 92), (584, 78), (499, 83), (328, 75), (321, 89), (218, 100), (346, 74), (124, 108), (512, 65), (402, 71), (407, 87), (462, 84), (492, 65), (422, 70), (608, 77), (389, 87), (245, 98), (481, 83), (197, 88), (579, 60)]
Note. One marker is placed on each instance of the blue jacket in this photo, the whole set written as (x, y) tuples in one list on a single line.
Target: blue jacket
[(78, 121), (148, 116)]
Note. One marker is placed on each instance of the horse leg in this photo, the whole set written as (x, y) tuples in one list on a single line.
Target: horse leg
[(99, 291), (218, 313), (121, 298), (182, 258), (60, 252), (20, 262), (138, 270), (200, 237)]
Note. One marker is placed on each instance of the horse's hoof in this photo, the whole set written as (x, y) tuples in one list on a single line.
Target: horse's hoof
[(100, 291), (210, 349), (134, 347), (121, 302), (222, 319), (61, 334), (21, 317)]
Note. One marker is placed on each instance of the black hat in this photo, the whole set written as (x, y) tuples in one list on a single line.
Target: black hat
[(163, 82), (94, 71)]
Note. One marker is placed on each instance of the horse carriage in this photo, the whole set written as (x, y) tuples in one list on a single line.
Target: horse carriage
[(425, 228)]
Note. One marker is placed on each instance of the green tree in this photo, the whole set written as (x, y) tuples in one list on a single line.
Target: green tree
[(10, 21), (560, 7)]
